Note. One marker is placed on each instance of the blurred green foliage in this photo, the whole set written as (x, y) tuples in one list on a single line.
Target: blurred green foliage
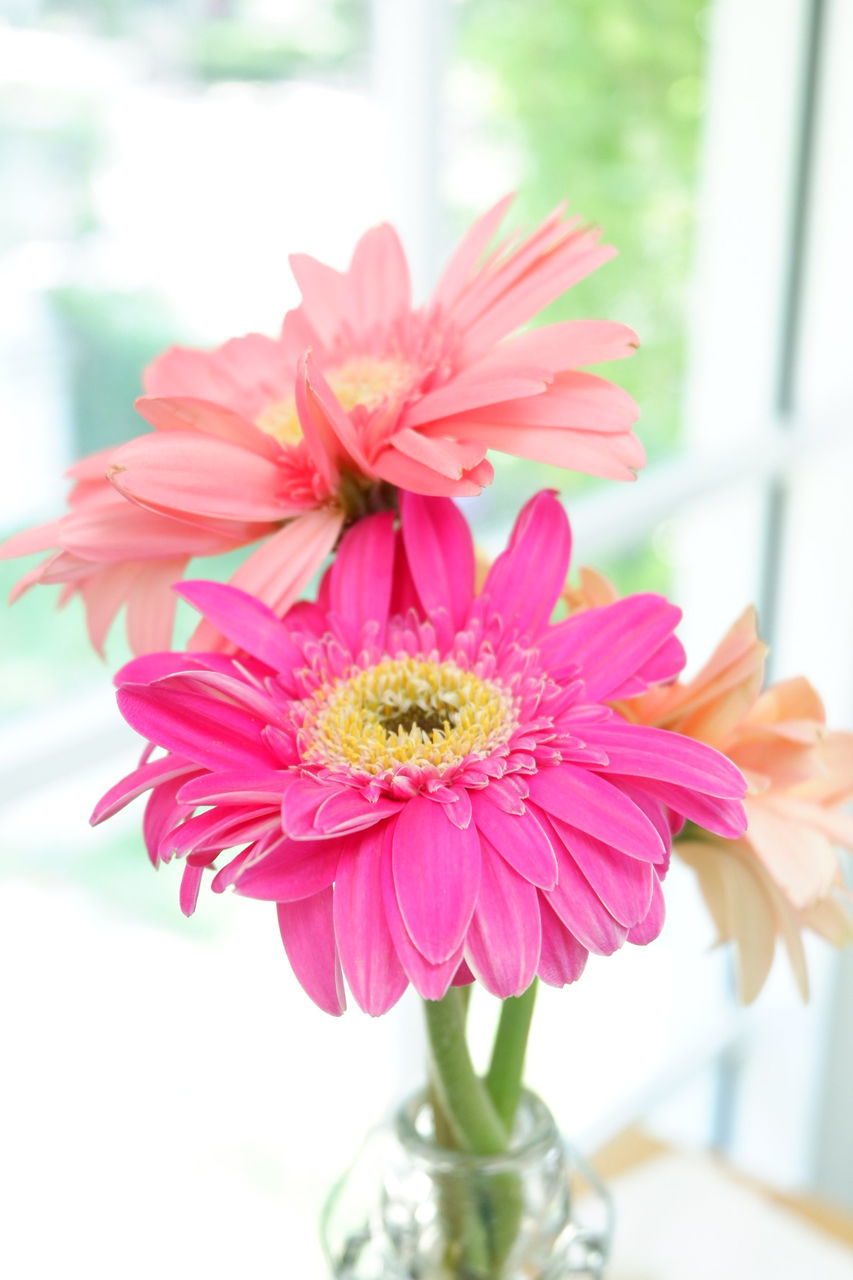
[(603, 104), (110, 338)]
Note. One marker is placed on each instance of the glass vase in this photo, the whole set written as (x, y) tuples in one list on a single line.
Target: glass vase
[(410, 1209)]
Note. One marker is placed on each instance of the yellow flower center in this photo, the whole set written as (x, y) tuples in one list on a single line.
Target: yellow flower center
[(362, 381), (407, 711)]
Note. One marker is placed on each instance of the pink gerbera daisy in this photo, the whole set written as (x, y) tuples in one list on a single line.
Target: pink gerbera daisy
[(290, 438), (427, 782)]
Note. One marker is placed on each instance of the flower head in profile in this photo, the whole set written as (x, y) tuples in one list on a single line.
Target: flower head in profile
[(427, 781), (784, 875), (288, 439)]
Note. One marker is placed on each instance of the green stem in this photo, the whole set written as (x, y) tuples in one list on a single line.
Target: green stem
[(504, 1077), (464, 1099)]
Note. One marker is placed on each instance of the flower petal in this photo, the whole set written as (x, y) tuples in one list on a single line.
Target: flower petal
[(610, 643), (308, 933), (649, 928), (378, 275), (431, 981), (141, 779), (504, 940), (437, 875), (280, 569), (362, 574), (245, 621), (638, 751), (367, 951), (205, 730), (178, 472), (185, 413), (289, 870), (596, 806), (407, 473), (521, 840), (624, 885), (582, 911), (562, 959), (440, 554), (540, 538)]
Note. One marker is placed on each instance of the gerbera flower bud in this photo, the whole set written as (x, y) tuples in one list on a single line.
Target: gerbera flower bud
[(429, 782)]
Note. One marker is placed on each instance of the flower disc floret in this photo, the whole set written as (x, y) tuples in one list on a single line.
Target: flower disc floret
[(406, 713)]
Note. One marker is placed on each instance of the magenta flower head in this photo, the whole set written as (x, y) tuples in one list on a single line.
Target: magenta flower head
[(431, 784)]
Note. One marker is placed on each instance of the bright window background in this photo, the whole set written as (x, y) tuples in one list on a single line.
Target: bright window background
[(170, 1094)]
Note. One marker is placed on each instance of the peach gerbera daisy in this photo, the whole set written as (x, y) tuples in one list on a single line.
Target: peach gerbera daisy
[(784, 875)]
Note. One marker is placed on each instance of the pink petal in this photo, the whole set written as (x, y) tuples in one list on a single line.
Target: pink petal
[(504, 940), (289, 870), (179, 472), (362, 574), (151, 606), (723, 817), (661, 668), (406, 473), (109, 533), (324, 293), (638, 751), (624, 885), (571, 344), (244, 373), (208, 732), (440, 554), (312, 809), (452, 459), (141, 779), (210, 832), (162, 813), (613, 457), (367, 951), (182, 413), (431, 981), (582, 911), (379, 279), (563, 959), (437, 875), (459, 269), (40, 538), (330, 435), (611, 643), (308, 933), (149, 667), (190, 885), (464, 395), (347, 810), (245, 621), (540, 537), (649, 928), (103, 594), (281, 568), (572, 402), (520, 839), (577, 256), (235, 786), (596, 806)]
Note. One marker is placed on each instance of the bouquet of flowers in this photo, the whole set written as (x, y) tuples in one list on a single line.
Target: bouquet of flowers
[(442, 773)]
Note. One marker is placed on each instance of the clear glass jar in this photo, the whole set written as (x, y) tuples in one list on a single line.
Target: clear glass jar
[(409, 1209)]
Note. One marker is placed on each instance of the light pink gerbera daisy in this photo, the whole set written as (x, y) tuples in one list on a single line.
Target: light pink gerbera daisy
[(428, 782), (290, 438)]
